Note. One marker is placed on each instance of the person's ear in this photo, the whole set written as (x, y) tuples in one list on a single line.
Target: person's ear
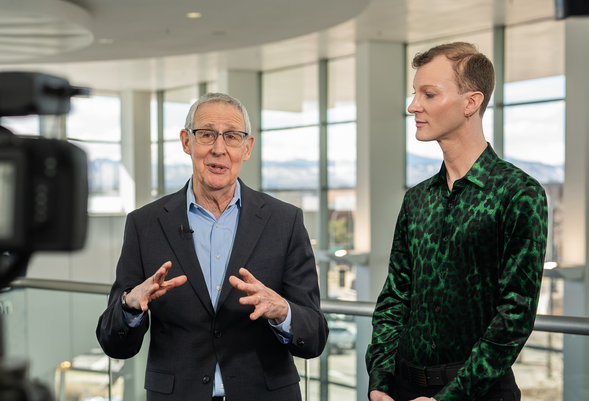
[(185, 139), (474, 101), (249, 144)]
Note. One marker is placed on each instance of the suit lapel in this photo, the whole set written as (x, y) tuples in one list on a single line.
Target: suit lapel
[(252, 220), (183, 247)]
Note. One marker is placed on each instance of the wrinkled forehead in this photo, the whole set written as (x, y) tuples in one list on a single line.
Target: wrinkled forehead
[(219, 114)]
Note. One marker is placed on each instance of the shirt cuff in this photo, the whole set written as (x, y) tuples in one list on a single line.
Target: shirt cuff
[(133, 320), (284, 329), (382, 381)]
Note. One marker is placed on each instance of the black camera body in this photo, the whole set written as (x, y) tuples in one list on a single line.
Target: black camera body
[(43, 198), (43, 182), (43, 194)]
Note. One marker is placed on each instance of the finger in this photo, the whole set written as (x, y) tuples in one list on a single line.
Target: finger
[(249, 289), (257, 313), (161, 273), (235, 282), (247, 276), (254, 299), (175, 282)]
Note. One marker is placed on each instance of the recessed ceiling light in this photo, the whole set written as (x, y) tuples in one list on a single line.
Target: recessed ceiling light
[(194, 15)]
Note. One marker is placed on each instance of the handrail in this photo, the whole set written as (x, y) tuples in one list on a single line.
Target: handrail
[(61, 285), (547, 323)]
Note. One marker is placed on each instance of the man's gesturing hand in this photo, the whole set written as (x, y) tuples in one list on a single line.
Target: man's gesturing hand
[(152, 288), (267, 302)]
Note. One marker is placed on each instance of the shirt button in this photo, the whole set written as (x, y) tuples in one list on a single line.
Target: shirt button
[(437, 309), (218, 288), (206, 379), (441, 275), (433, 345), (450, 206), (445, 239), (222, 385), (217, 256), (216, 225), (217, 334)]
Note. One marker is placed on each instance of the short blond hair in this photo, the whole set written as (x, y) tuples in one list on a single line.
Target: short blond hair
[(473, 70)]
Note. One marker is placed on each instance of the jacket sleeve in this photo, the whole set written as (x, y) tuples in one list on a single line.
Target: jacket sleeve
[(524, 247), (116, 338), (301, 290), (390, 314)]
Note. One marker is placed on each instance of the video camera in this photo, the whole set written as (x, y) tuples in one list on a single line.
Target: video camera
[(43, 197)]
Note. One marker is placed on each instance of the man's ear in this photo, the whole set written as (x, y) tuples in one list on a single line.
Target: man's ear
[(475, 99), (248, 147), (185, 139)]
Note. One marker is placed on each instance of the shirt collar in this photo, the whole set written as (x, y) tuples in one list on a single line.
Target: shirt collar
[(478, 173), (191, 200)]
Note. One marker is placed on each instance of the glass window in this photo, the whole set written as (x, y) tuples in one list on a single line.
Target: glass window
[(289, 98), (104, 161), (341, 90), (96, 118), (94, 124), (534, 139), (21, 125), (177, 164), (290, 159), (341, 155), (342, 212), (547, 88)]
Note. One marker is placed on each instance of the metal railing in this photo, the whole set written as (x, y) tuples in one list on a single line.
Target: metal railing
[(547, 323), (544, 323)]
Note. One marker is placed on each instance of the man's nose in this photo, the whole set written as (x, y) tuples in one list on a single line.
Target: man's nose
[(219, 147), (413, 106)]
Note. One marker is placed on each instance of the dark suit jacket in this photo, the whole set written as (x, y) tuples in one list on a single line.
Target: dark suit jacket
[(187, 336)]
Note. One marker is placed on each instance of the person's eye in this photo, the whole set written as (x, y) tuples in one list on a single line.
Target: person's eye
[(429, 95), (206, 134), (230, 135)]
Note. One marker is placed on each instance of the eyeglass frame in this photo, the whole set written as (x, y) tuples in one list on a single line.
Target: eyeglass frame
[(217, 136)]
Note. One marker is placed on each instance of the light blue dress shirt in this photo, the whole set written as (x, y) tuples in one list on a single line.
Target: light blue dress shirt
[(213, 241)]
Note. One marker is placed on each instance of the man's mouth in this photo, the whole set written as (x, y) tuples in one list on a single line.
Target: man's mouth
[(217, 168)]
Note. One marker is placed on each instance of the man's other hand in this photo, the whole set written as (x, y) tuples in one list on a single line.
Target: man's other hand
[(376, 395), (268, 304), (153, 288)]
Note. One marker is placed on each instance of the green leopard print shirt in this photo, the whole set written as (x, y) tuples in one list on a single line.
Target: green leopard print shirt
[(464, 277)]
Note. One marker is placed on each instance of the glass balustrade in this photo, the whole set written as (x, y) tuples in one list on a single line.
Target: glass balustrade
[(55, 331)]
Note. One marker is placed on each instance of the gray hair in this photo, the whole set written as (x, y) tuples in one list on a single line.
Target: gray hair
[(213, 97)]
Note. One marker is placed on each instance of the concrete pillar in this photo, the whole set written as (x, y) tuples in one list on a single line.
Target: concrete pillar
[(575, 246), (246, 86), (380, 98), (135, 173)]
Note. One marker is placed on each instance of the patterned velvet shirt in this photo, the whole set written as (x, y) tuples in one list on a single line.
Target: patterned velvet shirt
[(464, 277)]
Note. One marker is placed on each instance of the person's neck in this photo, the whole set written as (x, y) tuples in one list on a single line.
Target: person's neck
[(460, 153), (215, 201)]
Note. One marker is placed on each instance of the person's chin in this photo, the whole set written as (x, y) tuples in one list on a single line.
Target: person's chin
[(217, 182), (423, 137)]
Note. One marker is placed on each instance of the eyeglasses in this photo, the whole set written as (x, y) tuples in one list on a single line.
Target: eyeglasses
[(233, 139)]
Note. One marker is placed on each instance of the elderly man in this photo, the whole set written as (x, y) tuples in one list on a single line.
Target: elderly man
[(218, 336)]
